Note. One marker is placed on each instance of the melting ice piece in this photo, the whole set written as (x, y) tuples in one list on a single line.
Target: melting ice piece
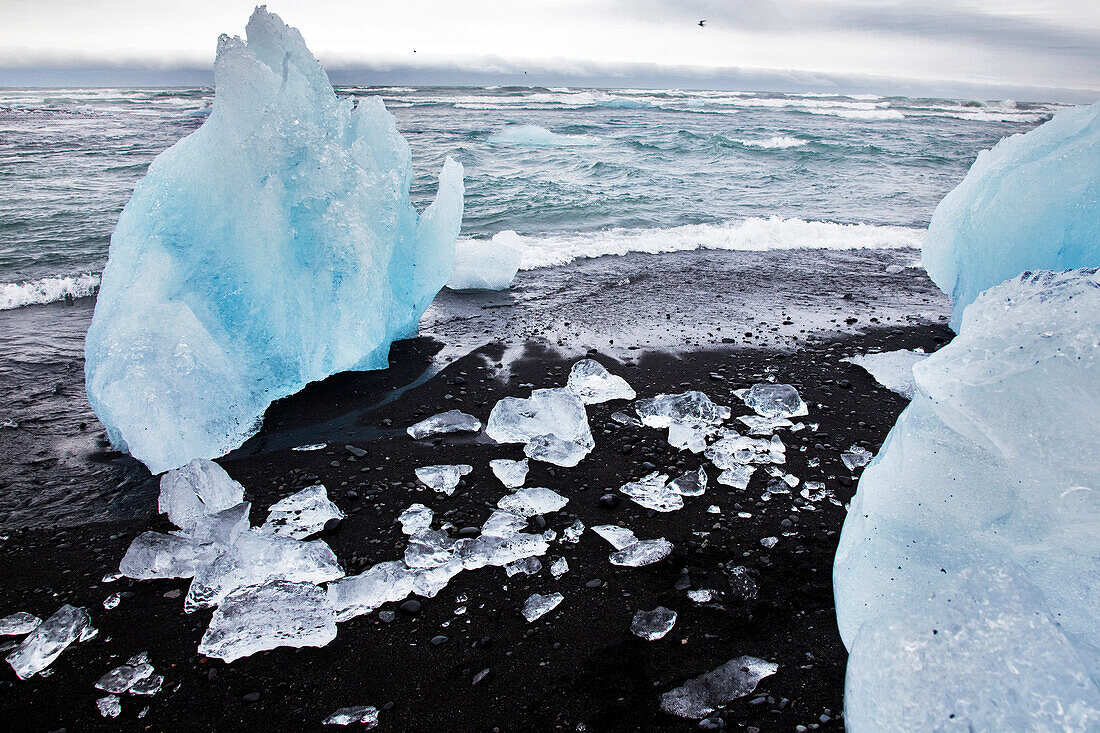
[(769, 542), (738, 477), (689, 436), (302, 514), (774, 400), (689, 407), (451, 421), (623, 419), (285, 190), (417, 517), (742, 585), (18, 623), (489, 550), (527, 566), (573, 532), (429, 548), (641, 553), (619, 537), (536, 606), (444, 478), (122, 678), (856, 457), (260, 617), (703, 695), (259, 557), (502, 524), (594, 384), (701, 595), (892, 369), (112, 601), (547, 412), (652, 492), (311, 447), (735, 450), (48, 640), (222, 528), (511, 473), (481, 265), (154, 555), (379, 584), (692, 483), (759, 425), (366, 715), (653, 625), (532, 501), (199, 488), (109, 706), (559, 567), (149, 686)]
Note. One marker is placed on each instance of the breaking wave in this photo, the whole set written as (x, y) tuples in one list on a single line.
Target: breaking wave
[(47, 290), (773, 142), (540, 136)]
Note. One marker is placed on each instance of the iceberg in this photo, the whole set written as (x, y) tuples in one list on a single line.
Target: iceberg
[(270, 248), (492, 265), (1030, 203)]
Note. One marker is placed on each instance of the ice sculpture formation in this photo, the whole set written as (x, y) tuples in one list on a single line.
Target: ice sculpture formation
[(272, 247)]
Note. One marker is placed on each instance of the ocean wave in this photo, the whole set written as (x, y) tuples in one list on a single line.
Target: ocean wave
[(780, 142), (538, 136), (47, 290)]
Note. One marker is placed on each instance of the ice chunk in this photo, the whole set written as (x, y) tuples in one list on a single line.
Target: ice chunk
[(511, 473), (552, 422), (154, 555), (652, 492), (109, 706), (529, 502), (573, 532), (856, 457), (703, 695), (1028, 204), (366, 715), (594, 384), (735, 450), (451, 421), (536, 606), (112, 601), (623, 419), (18, 623), (769, 542), (122, 678), (492, 265), (892, 369), (642, 552), (429, 548), (48, 640), (149, 686), (381, 583), (498, 551), (701, 595), (222, 528), (443, 479), (302, 514), (259, 557), (759, 425), (692, 483), (653, 625), (260, 617), (690, 408), (415, 518), (738, 477), (559, 567), (501, 524), (270, 248), (619, 537), (527, 566), (198, 489), (774, 400)]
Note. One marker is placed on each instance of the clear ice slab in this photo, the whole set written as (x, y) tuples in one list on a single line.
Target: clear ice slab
[(653, 625), (18, 623), (365, 715), (511, 473), (532, 501), (556, 417), (301, 514), (892, 369), (619, 537), (691, 483), (51, 637), (774, 400), (652, 492), (452, 421), (122, 678), (591, 381), (703, 695), (198, 489), (537, 605), (443, 479), (642, 553)]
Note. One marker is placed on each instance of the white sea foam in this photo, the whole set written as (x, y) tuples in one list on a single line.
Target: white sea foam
[(782, 141), (535, 135), (47, 290)]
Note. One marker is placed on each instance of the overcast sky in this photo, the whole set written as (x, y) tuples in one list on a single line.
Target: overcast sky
[(1037, 44)]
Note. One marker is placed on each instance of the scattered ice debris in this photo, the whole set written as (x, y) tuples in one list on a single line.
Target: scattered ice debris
[(109, 706), (692, 483), (774, 400), (737, 477), (502, 524), (302, 514), (742, 585), (112, 601), (260, 617), (122, 678), (572, 533), (769, 542), (414, 519), (363, 715), (759, 425), (690, 417), (48, 640), (735, 450), (642, 552), (310, 447), (511, 473), (652, 492), (892, 369), (153, 555), (703, 695), (536, 606), (527, 566), (529, 502), (444, 478), (451, 421), (559, 567), (653, 625), (18, 623), (701, 595), (487, 265), (556, 417), (856, 457), (623, 419), (111, 577), (594, 384), (196, 490), (619, 537)]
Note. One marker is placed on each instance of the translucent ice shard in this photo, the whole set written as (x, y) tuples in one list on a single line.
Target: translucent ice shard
[(109, 706), (382, 583), (572, 533), (689, 407), (641, 553), (497, 551), (511, 473), (855, 457), (443, 479), (18, 623), (552, 449), (155, 555), (594, 384), (452, 421), (532, 501), (892, 369), (415, 518), (737, 477), (653, 625), (652, 492), (365, 715), (222, 528), (692, 483), (429, 548), (547, 412), (774, 400), (536, 606), (501, 524), (527, 566), (302, 514), (559, 567), (492, 265), (149, 686), (198, 489), (735, 450), (759, 425), (1028, 204), (260, 617), (619, 537), (270, 248), (703, 695), (122, 678), (48, 640)]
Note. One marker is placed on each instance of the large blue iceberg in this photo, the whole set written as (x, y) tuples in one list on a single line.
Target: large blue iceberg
[(272, 247), (1030, 203)]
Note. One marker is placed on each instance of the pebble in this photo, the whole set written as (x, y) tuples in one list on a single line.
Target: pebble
[(594, 583), (332, 525), (411, 607), (386, 616), (441, 639), (357, 452), (609, 501), (251, 697)]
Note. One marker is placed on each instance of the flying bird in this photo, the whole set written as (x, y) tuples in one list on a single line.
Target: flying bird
[(702, 24)]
